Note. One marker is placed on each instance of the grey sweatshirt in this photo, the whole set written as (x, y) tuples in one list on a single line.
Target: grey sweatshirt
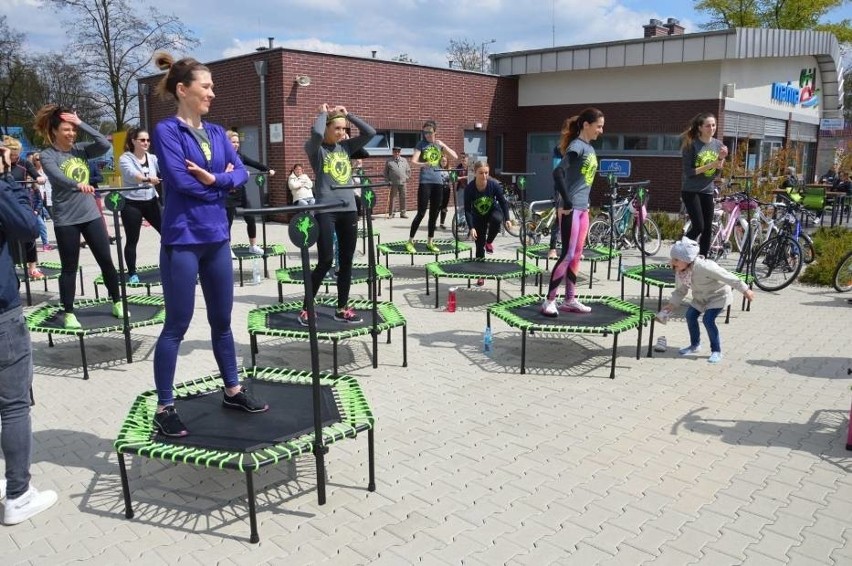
[(696, 155)]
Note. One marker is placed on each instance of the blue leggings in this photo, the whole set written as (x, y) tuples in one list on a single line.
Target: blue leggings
[(710, 315), (180, 265)]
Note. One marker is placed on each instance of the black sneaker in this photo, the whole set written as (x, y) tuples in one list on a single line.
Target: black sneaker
[(169, 424), (244, 402), (347, 315)]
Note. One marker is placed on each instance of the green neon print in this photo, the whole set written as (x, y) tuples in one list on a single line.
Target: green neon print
[(483, 205), (304, 226), (337, 166)]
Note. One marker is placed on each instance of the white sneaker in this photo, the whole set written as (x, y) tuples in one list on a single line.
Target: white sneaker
[(233, 255), (574, 306), (28, 505), (661, 344), (2, 489), (548, 308), (256, 250)]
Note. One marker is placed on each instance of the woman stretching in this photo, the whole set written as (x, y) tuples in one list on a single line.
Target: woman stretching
[(75, 212), (138, 167), (427, 154), (703, 159), (329, 152), (572, 180), (199, 167), (483, 216)]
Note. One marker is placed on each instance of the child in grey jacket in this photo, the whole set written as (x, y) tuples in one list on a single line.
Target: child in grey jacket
[(711, 292)]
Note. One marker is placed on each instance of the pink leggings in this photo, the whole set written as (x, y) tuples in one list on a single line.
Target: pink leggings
[(574, 226)]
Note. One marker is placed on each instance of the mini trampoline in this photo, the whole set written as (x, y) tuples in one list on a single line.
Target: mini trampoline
[(363, 233), (593, 255), (484, 268), (263, 439), (51, 270), (609, 316), (360, 273), (282, 320), (661, 276), (444, 247), (149, 276), (242, 253), (96, 318)]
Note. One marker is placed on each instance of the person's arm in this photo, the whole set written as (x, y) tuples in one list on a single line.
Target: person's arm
[(17, 220), (33, 172), (306, 181), (560, 178), (293, 182), (501, 200), (57, 178), (317, 133), (97, 148), (366, 132), (446, 149), (252, 163), (130, 173), (678, 294), (176, 172), (722, 275)]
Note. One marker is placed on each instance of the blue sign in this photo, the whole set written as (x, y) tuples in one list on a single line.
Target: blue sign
[(617, 167)]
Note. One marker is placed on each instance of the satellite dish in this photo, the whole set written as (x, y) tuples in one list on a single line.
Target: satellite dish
[(303, 80)]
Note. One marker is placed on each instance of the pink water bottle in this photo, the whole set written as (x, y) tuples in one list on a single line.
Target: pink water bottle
[(451, 300)]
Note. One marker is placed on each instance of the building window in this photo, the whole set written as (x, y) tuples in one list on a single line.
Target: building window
[(638, 144), (497, 160), (385, 140)]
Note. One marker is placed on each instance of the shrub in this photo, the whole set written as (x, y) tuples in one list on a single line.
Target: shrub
[(830, 244), (671, 227)]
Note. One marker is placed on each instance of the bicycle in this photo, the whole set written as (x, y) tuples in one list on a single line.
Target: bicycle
[(728, 223), (842, 277), (625, 211), (778, 260), (541, 223)]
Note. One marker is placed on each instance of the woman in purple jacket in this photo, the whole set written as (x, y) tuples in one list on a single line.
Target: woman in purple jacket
[(199, 168)]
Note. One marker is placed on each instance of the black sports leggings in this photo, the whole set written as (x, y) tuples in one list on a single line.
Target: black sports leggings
[(251, 222), (345, 225), (68, 243), (445, 202), (428, 195), (487, 228), (699, 207), (131, 216)]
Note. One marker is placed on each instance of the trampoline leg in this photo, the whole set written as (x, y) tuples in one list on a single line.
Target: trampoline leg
[(728, 315), (436, 291), (427, 283), (390, 288), (50, 340), (389, 337), (660, 299), (622, 288), (253, 347), (334, 355), (404, 346), (280, 293), (371, 461), (614, 349), (254, 538), (240, 262), (523, 350), (83, 355), (376, 348), (498, 289), (651, 339), (96, 291), (591, 274), (125, 487)]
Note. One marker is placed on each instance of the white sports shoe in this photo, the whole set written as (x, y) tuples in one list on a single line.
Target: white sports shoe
[(28, 505), (256, 250), (574, 306), (548, 308), (2, 489)]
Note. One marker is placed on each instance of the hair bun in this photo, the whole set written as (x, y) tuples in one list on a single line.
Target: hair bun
[(163, 60)]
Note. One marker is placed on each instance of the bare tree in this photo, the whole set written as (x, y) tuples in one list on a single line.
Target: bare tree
[(114, 42), (12, 70), (403, 58), (465, 54)]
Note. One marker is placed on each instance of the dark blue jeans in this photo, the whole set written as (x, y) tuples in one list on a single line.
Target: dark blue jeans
[(180, 265), (16, 377), (710, 315)]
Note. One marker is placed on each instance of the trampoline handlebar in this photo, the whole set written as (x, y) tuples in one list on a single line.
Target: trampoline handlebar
[(634, 185), (117, 189), (289, 208), (361, 186)]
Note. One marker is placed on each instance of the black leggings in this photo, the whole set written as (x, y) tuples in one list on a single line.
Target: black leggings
[(68, 243), (445, 202), (487, 228), (345, 225), (428, 195), (251, 223), (131, 216), (699, 207)]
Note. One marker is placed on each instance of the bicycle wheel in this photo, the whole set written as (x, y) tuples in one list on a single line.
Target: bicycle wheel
[(777, 263), (599, 234), (807, 245), (517, 213), (651, 239), (843, 274), (455, 228)]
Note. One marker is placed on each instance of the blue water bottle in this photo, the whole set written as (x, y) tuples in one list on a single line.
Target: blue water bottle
[(488, 342)]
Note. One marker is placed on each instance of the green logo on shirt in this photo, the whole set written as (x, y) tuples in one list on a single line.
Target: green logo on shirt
[(704, 157), (431, 154), (483, 205), (337, 166), (77, 169), (205, 149), (589, 168)]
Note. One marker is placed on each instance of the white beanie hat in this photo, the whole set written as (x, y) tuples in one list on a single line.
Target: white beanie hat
[(685, 250)]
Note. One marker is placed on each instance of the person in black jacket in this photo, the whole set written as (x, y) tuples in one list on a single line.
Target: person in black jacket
[(238, 198), (17, 222), (25, 175)]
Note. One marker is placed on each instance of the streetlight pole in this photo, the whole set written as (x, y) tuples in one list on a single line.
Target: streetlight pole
[(482, 53)]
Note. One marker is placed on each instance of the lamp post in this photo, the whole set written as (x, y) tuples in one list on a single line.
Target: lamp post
[(482, 53), (143, 104)]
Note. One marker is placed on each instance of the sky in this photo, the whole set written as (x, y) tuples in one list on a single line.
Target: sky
[(422, 29)]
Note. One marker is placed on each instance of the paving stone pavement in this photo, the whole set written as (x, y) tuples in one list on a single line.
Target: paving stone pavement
[(675, 461)]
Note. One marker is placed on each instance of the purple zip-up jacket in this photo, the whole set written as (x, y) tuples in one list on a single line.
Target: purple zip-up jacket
[(194, 213)]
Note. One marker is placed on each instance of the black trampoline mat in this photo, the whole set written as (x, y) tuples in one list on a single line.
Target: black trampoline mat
[(149, 277), (540, 254), (594, 255), (485, 268), (243, 252), (358, 274), (289, 320), (602, 316), (213, 427), (420, 247), (94, 317), (49, 272), (661, 274)]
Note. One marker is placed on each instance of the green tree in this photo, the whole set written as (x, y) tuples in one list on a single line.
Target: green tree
[(781, 14), (114, 42)]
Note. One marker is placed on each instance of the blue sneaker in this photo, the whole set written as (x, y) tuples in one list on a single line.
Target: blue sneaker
[(715, 357), (689, 350), (133, 279)]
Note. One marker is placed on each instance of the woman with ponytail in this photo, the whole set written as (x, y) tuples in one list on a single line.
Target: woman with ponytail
[(572, 181), (199, 167)]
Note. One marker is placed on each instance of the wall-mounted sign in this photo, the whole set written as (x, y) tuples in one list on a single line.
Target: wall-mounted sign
[(804, 94), (276, 132), (832, 124)]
